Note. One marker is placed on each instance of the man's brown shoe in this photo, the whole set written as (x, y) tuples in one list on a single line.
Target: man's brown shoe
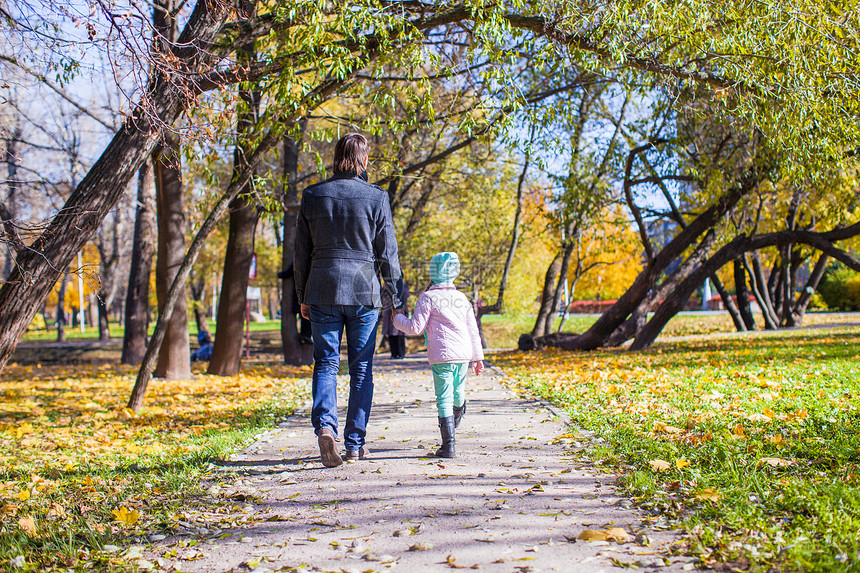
[(355, 455), (328, 449)]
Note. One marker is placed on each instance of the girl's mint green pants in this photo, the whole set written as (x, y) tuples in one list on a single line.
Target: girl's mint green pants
[(449, 378)]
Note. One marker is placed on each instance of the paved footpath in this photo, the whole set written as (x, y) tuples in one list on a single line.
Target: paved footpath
[(510, 501)]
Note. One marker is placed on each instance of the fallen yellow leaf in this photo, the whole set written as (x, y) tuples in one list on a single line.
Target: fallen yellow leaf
[(126, 517), (758, 418), (707, 494), (681, 463), (617, 534), (593, 535), (24, 495)]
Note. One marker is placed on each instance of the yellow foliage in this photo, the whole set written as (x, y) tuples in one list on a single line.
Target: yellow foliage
[(615, 249), (63, 417)]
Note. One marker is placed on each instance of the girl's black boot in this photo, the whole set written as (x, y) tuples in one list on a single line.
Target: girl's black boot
[(446, 427), (459, 411)]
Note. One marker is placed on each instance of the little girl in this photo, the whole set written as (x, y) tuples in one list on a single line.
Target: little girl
[(452, 342)]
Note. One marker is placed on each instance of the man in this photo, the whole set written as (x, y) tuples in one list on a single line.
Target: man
[(344, 244)]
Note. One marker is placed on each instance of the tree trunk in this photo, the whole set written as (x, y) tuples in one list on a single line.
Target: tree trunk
[(230, 321), (742, 295), (761, 291), (636, 321), (294, 351), (61, 307), (731, 307), (547, 295), (174, 358), (227, 349), (679, 297), (811, 284), (143, 251), (39, 267), (104, 323), (10, 202), (264, 145), (559, 286), (595, 336), (736, 248)]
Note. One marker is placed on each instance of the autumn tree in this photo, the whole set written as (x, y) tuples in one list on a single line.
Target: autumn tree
[(788, 78)]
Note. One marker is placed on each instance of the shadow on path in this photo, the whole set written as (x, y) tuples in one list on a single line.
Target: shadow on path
[(509, 501)]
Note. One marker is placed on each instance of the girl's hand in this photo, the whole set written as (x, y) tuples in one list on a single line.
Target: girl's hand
[(479, 367)]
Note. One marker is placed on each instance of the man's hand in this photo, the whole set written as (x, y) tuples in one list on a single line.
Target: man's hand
[(401, 310), (479, 367), (305, 309)]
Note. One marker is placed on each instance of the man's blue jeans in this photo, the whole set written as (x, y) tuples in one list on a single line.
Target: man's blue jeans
[(327, 325)]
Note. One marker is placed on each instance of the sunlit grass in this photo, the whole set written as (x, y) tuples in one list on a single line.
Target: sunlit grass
[(77, 464), (502, 331), (760, 438), (117, 331)]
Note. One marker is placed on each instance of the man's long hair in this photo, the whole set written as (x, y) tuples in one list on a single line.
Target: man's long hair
[(350, 154)]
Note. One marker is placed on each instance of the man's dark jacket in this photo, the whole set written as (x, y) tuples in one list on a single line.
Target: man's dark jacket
[(344, 243)]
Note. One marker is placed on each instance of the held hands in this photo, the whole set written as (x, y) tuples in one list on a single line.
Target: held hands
[(478, 366), (305, 309), (401, 311)]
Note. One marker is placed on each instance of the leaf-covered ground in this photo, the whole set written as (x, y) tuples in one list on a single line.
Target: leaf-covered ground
[(80, 472), (752, 443)]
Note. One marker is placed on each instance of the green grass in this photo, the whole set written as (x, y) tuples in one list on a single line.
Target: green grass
[(769, 426), (117, 331), (502, 331)]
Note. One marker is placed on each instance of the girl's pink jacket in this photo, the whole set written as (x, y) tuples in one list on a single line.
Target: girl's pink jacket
[(452, 331)]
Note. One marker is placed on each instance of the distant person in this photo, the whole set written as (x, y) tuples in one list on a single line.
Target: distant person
[(396, 339), (344, 245), (453, 342), (204, 353)]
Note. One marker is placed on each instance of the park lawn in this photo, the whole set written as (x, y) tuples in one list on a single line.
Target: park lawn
[(503, 330), (751, 444), (83, 477), (117, 331)]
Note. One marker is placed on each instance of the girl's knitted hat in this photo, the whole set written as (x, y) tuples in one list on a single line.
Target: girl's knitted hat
[(444, 268)]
